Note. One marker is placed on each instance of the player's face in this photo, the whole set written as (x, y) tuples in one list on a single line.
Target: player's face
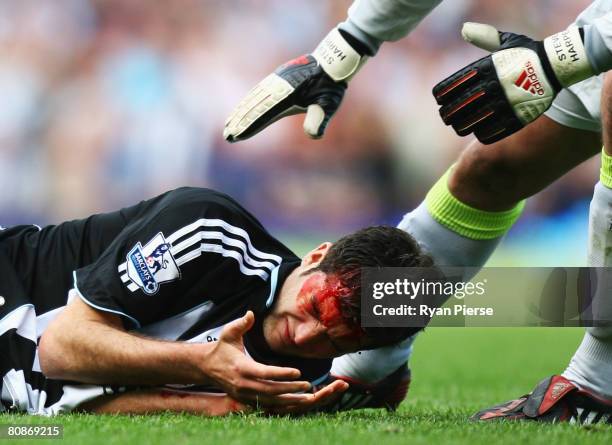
[(308, 322)]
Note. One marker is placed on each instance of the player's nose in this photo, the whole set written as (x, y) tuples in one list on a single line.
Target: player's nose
[(308, 333)]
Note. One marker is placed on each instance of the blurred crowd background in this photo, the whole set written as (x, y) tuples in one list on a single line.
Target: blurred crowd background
[(107, 102)]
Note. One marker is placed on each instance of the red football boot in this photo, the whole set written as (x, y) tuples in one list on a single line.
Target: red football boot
[(555, 399)]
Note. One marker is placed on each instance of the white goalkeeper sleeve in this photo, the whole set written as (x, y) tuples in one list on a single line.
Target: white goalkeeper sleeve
[(377, 21)]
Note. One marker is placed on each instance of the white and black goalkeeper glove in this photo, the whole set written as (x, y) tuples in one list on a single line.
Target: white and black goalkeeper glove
[(313, 84), (501, 93)]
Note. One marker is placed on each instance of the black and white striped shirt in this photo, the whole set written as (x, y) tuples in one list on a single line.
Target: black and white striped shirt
[(177, 267)]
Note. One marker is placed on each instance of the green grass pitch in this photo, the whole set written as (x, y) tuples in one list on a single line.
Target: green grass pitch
[(455, 372)]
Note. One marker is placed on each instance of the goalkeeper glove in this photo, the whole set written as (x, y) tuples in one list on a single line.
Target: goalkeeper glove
[(313, 83), (501, 93)]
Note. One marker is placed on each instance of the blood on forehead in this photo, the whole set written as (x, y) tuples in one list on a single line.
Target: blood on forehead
[(326, 292)]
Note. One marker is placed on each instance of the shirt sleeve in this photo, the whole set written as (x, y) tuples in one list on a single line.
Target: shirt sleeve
[(598, 43), (376, 21), (188, 247)]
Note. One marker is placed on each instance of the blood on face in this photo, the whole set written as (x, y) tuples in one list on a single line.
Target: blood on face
[(321, 297)]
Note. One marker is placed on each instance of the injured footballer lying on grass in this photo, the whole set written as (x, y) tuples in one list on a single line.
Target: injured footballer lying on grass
[(186, 303)]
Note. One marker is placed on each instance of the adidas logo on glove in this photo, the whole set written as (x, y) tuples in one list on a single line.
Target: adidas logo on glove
[(528, 80)]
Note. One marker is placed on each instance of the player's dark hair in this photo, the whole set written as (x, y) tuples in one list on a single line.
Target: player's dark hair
[(376, 246)]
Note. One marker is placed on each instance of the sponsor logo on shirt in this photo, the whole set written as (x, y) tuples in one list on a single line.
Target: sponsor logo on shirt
[(151, 265)]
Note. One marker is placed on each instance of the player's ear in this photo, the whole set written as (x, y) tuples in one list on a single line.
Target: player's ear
[(316, 255)]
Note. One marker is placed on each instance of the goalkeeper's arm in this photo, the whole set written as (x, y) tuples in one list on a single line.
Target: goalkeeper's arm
[(501, 93), (315, 83)]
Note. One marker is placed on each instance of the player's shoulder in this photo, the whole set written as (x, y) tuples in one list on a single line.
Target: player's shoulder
[(203, 209), (200, 199), (197, 203), (201, 195)]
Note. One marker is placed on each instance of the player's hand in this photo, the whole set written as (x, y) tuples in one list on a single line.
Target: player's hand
[(499, 94), (320, 399), (246, 380), (313, 84)]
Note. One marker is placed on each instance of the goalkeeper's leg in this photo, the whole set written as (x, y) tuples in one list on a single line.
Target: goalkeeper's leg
[(584, 391), (591, 365), (469, 210)]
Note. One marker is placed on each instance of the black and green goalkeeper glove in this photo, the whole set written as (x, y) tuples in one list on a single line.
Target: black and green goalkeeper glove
[(313, 84), (501, 93)]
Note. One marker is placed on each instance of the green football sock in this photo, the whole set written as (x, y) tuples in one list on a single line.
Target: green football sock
[(605, 173), (466, 220)]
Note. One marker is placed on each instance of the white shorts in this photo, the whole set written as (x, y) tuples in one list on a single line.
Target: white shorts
[(579, 105)]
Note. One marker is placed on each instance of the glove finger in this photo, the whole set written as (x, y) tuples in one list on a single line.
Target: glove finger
[(313, 123), (321, 111), (252, 113), (498, 126), (326, 95), (512, 40), (481, 35), (468, 125), (491, 130), (455, 85), (465, 106)]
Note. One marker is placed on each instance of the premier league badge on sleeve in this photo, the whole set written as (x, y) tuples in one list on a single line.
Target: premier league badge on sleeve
[(152, 265)]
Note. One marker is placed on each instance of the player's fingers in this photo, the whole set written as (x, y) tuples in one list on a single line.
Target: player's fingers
[(252, 113), (481, 35), (329, 392), (273, 388), (249, 321), (260, 371), (233, 331), (279, 401), (303, 401), (323, 397), (315, 116)]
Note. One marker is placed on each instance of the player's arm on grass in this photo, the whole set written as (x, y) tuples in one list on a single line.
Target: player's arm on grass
[(150, 401), (156, 400), (315, 83), (91, 346), (499, 94)]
